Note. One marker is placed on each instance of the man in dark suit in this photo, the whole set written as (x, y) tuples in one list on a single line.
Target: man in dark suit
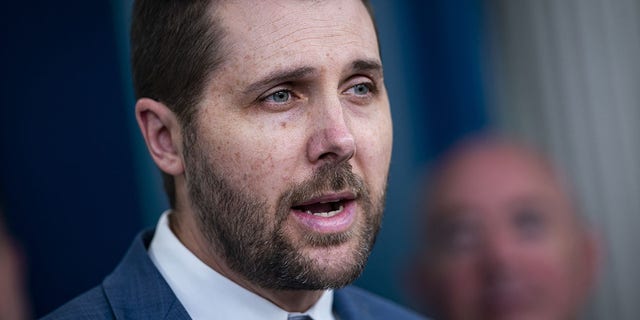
[(271, 124)]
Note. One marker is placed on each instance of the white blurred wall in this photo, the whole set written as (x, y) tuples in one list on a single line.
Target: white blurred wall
[(566, 76)]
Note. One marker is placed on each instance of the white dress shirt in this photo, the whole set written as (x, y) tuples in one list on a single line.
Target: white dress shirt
[(206, 294)]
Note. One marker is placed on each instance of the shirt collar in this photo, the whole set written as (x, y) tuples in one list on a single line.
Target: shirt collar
[(205, 293)]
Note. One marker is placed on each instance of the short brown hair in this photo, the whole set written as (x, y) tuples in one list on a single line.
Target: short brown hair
[(175, 46)]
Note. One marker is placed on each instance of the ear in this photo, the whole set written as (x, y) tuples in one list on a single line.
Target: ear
[(161, 132)]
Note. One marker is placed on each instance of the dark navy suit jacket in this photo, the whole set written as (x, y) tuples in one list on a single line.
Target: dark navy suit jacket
[(137, 290)]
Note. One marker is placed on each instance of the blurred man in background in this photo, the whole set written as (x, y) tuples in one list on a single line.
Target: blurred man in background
[(503, 238)]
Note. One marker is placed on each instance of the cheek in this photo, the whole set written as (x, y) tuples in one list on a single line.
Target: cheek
[(548, 271), (254, 159), (373, 150), (546, 260)]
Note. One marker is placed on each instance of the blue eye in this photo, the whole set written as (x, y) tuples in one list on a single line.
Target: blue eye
[(281, 96), (361, 89), (361, 93)]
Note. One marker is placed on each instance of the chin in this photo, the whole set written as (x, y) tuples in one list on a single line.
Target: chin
[(337, 266)]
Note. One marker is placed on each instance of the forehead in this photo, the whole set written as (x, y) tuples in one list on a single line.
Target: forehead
[(291, 31), (483, 172), (496, 179)]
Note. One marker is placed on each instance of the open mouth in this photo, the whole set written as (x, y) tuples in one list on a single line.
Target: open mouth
[(328, 213), (326, 206), (325, 209)]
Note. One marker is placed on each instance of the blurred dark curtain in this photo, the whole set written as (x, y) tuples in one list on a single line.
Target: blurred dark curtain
[(65, 164)]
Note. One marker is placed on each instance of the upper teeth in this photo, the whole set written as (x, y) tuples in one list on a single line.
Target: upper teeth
[(330, 201), (326, 214)]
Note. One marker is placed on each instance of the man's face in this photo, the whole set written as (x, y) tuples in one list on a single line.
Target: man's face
[(288, 161), (505, 242)]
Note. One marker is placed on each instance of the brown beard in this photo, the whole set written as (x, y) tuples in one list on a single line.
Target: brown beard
[(253, 242)]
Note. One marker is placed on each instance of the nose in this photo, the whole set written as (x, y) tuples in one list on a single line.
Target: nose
[(331, 140), (499, 252)]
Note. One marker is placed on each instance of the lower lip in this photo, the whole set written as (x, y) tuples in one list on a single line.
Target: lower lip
[(338, 223)]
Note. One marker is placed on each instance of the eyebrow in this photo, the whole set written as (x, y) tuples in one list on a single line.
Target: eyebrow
[(279, 76), (367, 65)]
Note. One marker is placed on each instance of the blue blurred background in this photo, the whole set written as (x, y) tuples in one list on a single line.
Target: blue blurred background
[(77, 180)]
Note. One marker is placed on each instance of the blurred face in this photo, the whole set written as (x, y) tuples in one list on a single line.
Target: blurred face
[(287, 165), (505, 242)]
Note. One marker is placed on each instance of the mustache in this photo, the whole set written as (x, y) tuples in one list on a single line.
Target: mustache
[(330, 177)]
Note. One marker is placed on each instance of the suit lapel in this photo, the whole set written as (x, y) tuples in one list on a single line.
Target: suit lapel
[(345, 307), (136, 290)]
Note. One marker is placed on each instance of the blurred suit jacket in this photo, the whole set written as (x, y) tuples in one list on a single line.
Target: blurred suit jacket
[(137, 290)]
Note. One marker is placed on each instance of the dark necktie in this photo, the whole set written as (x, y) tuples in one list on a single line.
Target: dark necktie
[(299, 317)]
